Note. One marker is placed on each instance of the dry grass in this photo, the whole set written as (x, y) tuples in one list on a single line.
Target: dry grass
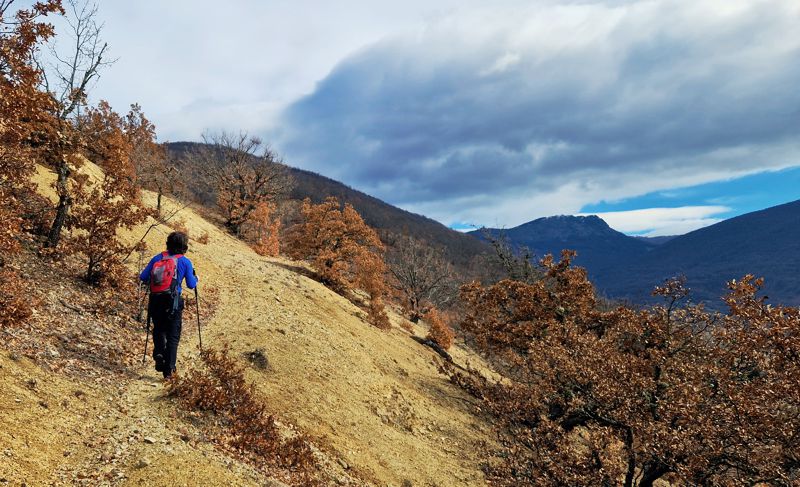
[(240, 418)]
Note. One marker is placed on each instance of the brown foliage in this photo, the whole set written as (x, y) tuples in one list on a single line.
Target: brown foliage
[(262, 230), (203, 239), (245, 424), (23, 107), (24, 111), (15, 303), (439, 331), (102, 208), (607, 397), (346, 253)]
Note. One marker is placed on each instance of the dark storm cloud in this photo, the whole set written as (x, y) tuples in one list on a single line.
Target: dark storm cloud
[(580, 102)]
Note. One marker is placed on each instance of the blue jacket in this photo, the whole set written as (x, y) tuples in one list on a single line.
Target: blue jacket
[(185, 271)]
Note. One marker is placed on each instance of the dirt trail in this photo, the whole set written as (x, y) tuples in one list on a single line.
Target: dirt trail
[(373, 400)]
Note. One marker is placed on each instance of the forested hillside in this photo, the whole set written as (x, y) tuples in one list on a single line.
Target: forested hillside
[(764, 243)]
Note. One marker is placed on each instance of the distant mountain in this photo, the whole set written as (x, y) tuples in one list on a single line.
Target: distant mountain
[(764, 243), (459, 247), (598, 245)]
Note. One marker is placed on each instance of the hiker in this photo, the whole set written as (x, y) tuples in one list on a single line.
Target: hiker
[(164, 273)]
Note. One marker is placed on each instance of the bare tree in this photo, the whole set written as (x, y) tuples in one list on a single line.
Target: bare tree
[(67, 75), (514, 263), (422, 276), (244, 173)]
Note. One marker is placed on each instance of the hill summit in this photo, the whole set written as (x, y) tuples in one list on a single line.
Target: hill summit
[(761, 243), (598, 245)]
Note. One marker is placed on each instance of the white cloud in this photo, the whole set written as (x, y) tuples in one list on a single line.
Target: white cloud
[(653, 222), (197, 64)]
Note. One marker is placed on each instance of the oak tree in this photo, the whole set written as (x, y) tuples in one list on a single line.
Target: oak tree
[(346, 253), (623, 396), (244, 173), (67, 75), (103, 207), (423, 278), (24, 111)]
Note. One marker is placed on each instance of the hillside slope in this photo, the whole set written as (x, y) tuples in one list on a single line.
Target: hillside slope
[(459, 248), (373, 401), (764, 243)]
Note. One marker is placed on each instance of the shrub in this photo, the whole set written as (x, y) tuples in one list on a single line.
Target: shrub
[(439, 331), (262, 230), (247, 428), (203, 239), (15, 306)]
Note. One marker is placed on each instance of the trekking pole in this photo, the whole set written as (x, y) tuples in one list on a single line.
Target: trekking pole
[(146, 336), (197, 304)]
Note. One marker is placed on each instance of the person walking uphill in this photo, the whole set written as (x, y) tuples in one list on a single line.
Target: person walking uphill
[(165, 272)]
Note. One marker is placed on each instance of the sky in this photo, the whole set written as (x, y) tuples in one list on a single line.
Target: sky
[(661, 116)]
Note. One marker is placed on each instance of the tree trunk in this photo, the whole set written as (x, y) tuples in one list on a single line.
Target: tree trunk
[(64, 204), (158, 203)]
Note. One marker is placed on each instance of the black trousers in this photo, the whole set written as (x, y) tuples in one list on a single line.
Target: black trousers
[(166, 331)]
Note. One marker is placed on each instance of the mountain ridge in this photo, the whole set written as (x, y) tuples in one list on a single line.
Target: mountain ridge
[(759, 243)]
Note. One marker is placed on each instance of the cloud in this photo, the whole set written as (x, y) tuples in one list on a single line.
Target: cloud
[(497, 116), (198, 64), (653, 222)]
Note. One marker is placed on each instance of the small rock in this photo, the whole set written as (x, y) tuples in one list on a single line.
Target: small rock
[(142, 463), (149, 440), (343, 464)]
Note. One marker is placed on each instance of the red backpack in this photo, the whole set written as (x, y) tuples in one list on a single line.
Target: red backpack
[(164, 275)]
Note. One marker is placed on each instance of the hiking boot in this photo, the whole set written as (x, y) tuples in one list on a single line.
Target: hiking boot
[(159, 362), (169, 374)]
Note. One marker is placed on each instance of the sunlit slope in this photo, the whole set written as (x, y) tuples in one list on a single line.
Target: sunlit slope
[(374, 399)]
